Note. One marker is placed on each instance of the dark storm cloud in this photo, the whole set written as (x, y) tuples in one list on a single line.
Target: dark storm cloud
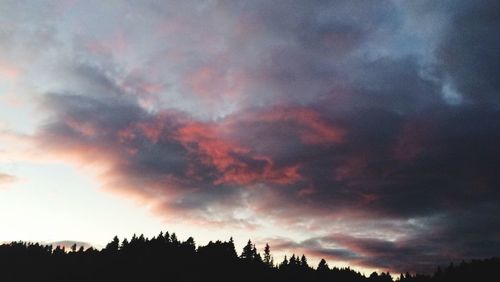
[(394, 84), (438, 240), (313, 246), (468, 233), (307, 47), (409, 166), (469, 50), (385, 254)]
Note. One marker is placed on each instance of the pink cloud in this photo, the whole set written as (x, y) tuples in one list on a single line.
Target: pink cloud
[(86, 129), (115, 44), (9, 72), (310, 126), (205, 141)]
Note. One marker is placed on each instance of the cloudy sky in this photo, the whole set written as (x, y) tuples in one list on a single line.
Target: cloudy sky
[(364, 132)]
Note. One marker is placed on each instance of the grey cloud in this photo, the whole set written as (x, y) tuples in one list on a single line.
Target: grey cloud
[(67, 244), (469, 48)]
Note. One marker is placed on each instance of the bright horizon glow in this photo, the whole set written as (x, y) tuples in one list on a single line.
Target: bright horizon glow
[(76, 214)]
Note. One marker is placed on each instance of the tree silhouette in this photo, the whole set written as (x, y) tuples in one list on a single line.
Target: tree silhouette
[(303, 262), (284, 263), (323, 266), (112, 247), (248, 251), (73, 247), (124, 244), (189, 244), (256, 256), (159, 258), (231, 249), (293, 261), (268, 260), (174, 241)]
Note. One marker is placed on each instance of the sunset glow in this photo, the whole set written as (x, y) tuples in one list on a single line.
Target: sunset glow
[(363, 132)]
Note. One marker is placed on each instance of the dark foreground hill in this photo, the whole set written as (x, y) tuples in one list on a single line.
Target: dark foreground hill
[(165, 258)]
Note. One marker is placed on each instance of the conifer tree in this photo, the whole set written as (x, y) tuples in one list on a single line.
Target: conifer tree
[(248, 251), (284, 263), (232, 248), (323, 266), (267, 256), (124, 244), (303, 262), (113, 245)]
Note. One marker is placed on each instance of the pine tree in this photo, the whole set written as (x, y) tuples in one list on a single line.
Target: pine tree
[(167, 238), (113, 245), (303, 262), (248, 251), (190, 244), (293, 261), (232, 248), (267, 256), (323, 266), (160, 237), (255, 255), (174, 240), (258, 259), (284, 263), (133, 240), (124, 244)]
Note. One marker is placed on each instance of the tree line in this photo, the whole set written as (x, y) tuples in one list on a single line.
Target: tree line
[(166, 258)]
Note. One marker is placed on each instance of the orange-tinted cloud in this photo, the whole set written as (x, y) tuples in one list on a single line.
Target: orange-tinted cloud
[(6, 179)]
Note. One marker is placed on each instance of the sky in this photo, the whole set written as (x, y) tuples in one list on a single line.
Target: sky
[(363, 132)]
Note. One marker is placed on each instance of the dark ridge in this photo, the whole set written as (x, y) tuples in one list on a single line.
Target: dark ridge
[(165, 258)]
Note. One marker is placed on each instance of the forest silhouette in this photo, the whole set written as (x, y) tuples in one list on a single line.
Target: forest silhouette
[(165, 258)]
